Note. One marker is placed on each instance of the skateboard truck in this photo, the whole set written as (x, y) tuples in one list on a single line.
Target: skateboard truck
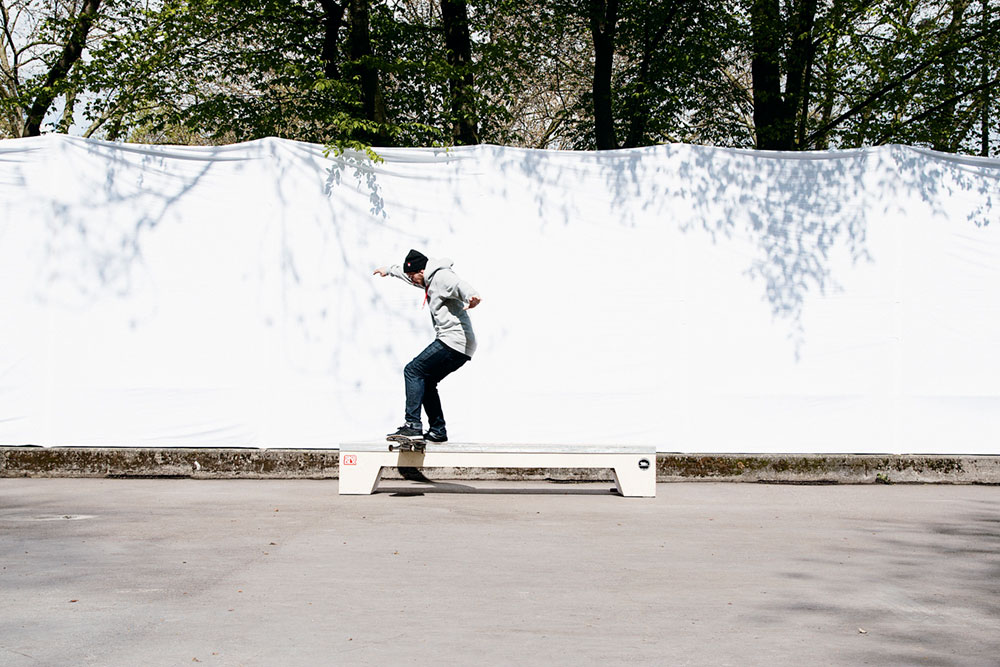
[(400, 443)]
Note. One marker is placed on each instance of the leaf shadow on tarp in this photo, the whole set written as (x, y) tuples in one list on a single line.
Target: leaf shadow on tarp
[(96, 236), (793, 211), (936, 177), (796, 209), (86, 261)]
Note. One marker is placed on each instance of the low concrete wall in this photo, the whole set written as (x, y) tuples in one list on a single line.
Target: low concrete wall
[(168, 462), (323, 464), (829, 468)]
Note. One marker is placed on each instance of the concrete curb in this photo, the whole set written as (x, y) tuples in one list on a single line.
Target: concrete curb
[(203, 463)]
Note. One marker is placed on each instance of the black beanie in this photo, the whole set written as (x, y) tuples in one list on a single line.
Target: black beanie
[(414, 262)]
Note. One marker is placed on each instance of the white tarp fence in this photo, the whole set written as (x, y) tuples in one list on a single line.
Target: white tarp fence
[(698, 299)]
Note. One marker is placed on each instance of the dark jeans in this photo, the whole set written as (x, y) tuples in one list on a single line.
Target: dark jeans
[(422, 376)]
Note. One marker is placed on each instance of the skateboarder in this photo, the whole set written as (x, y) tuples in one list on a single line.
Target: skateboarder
[(449, 299)]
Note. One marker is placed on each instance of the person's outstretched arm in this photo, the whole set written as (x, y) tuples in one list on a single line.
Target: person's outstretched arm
[(396, 271)]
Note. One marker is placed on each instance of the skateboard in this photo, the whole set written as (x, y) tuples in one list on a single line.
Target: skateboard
[(401, 443)]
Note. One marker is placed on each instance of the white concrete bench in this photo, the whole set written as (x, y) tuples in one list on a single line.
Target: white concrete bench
[(634, 467)]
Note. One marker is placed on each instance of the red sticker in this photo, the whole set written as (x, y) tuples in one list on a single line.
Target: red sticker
[(350, 459)]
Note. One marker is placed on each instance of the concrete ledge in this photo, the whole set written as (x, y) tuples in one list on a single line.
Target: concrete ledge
[(203, 463)]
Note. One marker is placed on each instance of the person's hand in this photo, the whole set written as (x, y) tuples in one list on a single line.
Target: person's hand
[(473, 302), (381, 271)]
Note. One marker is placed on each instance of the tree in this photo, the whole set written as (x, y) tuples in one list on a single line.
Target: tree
[(534, 75), (584, 74), (671, 57), (655, 71), (73, 44), (868, 72), (41, 44), (353, 72), (241, 70)]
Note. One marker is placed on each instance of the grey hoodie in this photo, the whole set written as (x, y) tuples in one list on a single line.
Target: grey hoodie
[(447, 295)]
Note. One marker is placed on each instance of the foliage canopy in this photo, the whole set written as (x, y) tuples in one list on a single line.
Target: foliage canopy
[(571, 74)]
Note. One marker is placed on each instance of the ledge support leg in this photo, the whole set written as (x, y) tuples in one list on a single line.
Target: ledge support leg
[(360, 475), (636, 480)]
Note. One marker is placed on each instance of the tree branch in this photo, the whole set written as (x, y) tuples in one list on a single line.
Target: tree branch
[(876, 95), (934, 109), (4, 63), (554, 125)]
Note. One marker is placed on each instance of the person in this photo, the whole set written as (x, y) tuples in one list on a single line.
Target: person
[(449, 298)]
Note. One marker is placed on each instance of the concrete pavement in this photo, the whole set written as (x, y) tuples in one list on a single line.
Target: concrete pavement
[(286, 572)]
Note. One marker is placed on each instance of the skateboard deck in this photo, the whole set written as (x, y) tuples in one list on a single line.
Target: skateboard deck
[(402, 443)]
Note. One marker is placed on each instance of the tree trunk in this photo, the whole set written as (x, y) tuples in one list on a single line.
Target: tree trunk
[(984, 148), (361, 54), (769, 118), (800, 63), (72, 50), (67, 116), (603, 19), (458, 49), (333, 19)]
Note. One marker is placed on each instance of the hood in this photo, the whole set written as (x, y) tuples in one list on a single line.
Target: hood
[(434, 265)]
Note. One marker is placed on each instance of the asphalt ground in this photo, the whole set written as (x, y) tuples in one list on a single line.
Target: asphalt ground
[(286, 572)]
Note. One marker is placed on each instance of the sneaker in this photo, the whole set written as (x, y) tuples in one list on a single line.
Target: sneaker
[(431, 436), (408, 432)]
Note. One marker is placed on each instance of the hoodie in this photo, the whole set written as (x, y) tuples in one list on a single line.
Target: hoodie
[(447, 296)]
